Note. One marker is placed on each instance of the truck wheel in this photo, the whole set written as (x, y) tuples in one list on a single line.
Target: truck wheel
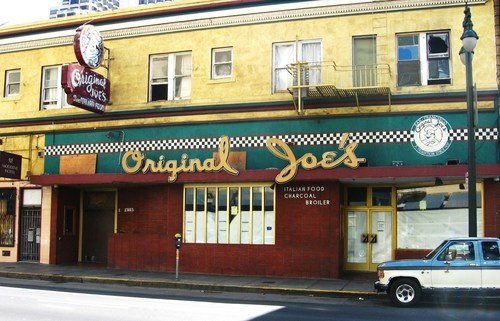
[(405, 292)]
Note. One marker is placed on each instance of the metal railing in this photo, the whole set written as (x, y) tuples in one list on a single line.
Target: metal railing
[(329, 73), (327, 79)]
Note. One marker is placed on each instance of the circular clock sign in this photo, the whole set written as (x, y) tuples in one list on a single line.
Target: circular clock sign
[(89, 47)]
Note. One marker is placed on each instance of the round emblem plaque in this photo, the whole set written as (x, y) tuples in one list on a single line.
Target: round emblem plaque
[(431, 135), (88, 46)]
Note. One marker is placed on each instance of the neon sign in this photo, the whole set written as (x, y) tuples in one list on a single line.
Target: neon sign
[(135, 161), (85, 88)]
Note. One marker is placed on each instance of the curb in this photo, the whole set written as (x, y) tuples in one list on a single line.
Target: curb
[(188, 285)]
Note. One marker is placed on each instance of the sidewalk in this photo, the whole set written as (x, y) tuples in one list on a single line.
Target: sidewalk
[(358, 285)]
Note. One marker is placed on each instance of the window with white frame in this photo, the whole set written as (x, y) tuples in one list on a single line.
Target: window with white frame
[(170, 76), (229, 214), (12, 82), (222, 63), (286, 53), (424, 59), (53, 95)]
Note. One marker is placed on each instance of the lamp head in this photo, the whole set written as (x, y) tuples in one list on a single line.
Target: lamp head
[(469, 37), (463, 57), (469, 40)]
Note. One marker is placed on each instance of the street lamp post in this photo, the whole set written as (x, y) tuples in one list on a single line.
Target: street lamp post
[(469, 40)]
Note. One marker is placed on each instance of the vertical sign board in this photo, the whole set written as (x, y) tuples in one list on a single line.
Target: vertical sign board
[(10, 165), (85, 88)]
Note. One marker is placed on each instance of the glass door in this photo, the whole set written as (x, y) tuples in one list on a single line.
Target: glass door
[(357, 249), (368, 239), (380, 239)]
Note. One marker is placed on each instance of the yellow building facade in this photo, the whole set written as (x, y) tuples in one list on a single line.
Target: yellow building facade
[(314, 107)]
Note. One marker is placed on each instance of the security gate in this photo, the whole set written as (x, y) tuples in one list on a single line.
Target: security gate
[(29, 238)]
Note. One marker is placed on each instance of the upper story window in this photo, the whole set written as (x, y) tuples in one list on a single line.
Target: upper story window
[(424, 59), (53, 95), (286, 53), (364, 60), (12, 82), (222, 63), (170, 76)]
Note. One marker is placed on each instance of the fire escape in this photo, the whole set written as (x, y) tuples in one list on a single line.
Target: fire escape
[(327, 80)]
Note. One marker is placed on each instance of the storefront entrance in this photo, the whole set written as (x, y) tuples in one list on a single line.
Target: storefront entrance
[(29, 239), (369, 239), (98, 223), (368, 227)]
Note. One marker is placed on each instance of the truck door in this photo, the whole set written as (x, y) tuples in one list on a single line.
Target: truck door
[(457, 267)]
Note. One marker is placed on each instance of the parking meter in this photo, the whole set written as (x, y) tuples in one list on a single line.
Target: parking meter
[(178, 241)]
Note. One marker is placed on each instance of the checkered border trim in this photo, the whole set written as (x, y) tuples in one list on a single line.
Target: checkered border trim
[(316, 139)]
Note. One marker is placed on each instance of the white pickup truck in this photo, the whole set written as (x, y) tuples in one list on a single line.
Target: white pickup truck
[(470, 265)]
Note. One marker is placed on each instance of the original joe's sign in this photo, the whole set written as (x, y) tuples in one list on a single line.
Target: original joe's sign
[(431, 135), (134, 161), (84, 87), (88, 46)]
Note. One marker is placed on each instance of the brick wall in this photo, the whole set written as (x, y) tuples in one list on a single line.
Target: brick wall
[(402, 254), (145, 238), (307, 237), (491, 208)]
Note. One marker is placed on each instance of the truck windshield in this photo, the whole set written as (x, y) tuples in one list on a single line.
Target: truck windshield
[(432, 253)]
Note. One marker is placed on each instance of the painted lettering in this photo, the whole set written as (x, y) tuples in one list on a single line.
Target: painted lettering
[(94, 85), (309, 161), (135, 161)]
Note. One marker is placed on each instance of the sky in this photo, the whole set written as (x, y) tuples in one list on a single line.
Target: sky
[(22, 11)]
